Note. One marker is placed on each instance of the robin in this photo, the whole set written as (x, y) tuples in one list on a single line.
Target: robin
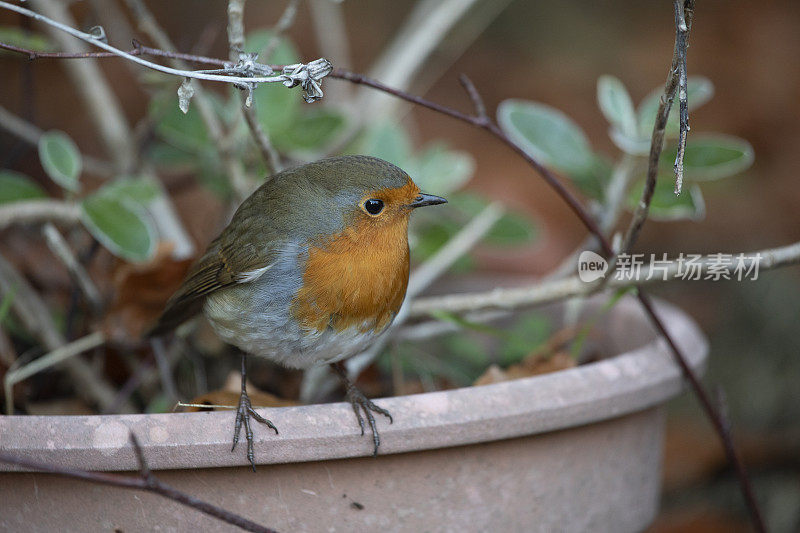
[(311, 269)]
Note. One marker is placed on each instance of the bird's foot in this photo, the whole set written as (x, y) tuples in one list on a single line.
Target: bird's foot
[(359, 402), (243, 414)]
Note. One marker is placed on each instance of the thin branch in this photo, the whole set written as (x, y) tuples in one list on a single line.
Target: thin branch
[(58, 245), (236, 44), (91, 39), (681, 44), (59, 355), (702, 267), (660, 125), (39, 211), (146, 481)]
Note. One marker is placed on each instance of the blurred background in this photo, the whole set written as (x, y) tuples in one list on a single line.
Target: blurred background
[(552, 53)]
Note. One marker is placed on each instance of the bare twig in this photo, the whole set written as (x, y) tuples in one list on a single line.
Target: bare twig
[(659, 128), (59, 355), (146, 481), (58, 245), (236, 44), (703, 267), (91, 39), (681, 44), (39, 211)]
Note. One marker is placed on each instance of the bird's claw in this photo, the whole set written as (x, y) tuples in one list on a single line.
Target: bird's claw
[(359, 403), (243, 414)]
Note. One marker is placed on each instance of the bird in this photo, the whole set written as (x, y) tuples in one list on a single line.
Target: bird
[(311, 269)]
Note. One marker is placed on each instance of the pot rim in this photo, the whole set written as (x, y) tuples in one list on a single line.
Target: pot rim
[(630, 382)]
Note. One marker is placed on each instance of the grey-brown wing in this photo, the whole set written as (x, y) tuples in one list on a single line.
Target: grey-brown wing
[(219, 267)]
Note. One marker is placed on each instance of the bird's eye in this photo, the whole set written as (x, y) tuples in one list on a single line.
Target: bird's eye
[(373, 206)]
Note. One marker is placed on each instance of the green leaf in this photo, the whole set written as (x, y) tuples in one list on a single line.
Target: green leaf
[(311, 131), (513, 229), (699, 90), (140, 190), (439, 170), (666, 205), (276, 106), (16, 36), (710, 157), (386, 140), (15, 186), (122, 226), (548, 135), (616, 104), (60, 159)]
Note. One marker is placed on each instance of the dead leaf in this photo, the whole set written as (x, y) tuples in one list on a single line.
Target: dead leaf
[(229, 395), (141, 290), (532, 365)]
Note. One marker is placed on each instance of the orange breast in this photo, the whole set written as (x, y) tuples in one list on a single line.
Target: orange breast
[(357, 278)]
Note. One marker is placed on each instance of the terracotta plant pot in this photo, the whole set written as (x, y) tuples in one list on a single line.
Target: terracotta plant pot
[(576, 450)]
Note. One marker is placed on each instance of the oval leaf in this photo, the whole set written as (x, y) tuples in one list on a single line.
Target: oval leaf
[(123, 227), (139, 190), (616, 104), (15, 186), (388, 141), (311, 131), (60, 159), (666, 205), (711, 157), (441, 170), (546, 134)]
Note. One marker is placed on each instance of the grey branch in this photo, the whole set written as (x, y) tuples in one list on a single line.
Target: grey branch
[(39, 211), (248, 63), (538, 294), (308, 75), (58, 245), (681, 45), (657, 141)]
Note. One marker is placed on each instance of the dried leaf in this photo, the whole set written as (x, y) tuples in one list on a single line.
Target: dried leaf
[(141, 292), (185, 93)]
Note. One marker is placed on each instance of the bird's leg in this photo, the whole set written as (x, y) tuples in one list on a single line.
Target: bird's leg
[(360, 402), (243, 414)]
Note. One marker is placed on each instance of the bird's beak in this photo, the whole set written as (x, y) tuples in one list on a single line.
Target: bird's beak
[(426, 199)]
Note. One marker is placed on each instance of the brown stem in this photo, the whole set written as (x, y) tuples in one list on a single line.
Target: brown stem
[(146, 481)]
